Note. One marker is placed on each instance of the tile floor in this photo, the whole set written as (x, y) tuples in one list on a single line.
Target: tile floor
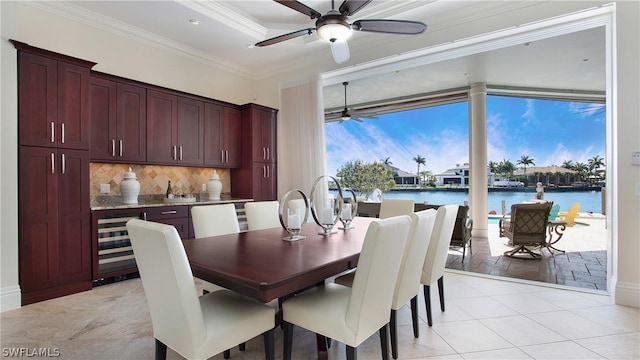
[(485, 318), (584, 265)]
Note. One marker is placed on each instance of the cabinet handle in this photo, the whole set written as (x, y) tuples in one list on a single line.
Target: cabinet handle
[(53, 132), (113, 147), (264, 172), (64, 164), (268, 153), (53, 163), (144, 215), (221, 156), (264, 153), (174, 152), (180, 152), (120, 147), (169, 212), (62, 136), (268, 171), (226, 158)]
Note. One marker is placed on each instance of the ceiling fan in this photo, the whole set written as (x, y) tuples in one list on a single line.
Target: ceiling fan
[(335, 26), (349, 114)]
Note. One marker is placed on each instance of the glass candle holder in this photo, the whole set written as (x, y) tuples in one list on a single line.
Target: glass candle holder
[(349, 210), (294, 217), (325, 209)]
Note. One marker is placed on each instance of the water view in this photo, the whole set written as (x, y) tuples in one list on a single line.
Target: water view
[(589, 200)]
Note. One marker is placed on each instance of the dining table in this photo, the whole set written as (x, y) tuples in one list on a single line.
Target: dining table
[(262, 265)]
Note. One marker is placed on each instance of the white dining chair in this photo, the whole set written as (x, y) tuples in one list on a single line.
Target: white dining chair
[(214, 220), (395, 207), (408, 283), (352, 314), (262, 214), (436, 258), (194, 327)]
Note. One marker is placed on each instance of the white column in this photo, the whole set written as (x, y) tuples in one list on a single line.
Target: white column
[(478, 159)]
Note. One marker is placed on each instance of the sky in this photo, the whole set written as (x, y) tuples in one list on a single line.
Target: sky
[(547, 131)]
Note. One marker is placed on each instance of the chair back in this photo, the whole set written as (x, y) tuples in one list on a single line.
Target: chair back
[(168, 283), (528, 224), (461, 235), (395, 207), (408, 283), (262, 214), (214, 220), (376, 275), (436, 257), (570, 216), (553, 213)]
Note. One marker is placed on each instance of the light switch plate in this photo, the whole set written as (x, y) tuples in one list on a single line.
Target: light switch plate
[(635, 158), (204, 187), (105, 188)]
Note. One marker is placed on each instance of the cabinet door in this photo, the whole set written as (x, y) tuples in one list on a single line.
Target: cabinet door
[(231, 132), (263, 131), (103, 119), (38, 217), (213, 149), (131, 138), (37, 100), (162, 127), (190, 132), (74, 218), (73, 106), (264, 181)]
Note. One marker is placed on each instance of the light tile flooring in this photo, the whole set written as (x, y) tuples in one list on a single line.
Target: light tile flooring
[(485, 318)]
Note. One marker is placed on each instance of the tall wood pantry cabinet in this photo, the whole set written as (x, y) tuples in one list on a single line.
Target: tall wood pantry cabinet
[(54, 235), (257, 177)]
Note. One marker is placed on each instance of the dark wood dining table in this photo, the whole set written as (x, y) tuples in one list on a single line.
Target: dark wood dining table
[(261, 265)]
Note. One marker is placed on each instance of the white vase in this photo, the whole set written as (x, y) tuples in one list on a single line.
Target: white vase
[(129, 188), (214, 186)]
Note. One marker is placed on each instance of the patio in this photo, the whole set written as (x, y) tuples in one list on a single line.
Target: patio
[(584, 264)]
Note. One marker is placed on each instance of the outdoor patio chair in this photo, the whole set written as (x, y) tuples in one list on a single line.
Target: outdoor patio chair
[(526, 227), (462, 230), (570, 216)]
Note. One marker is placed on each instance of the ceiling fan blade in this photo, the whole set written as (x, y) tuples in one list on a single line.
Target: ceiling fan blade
[(285, 37), (353, 6), (300, 7), (406, 27), (340, 51)]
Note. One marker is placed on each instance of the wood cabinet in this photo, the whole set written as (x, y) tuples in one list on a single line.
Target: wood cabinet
[(175, 128), (53, 105), (257, 177), (222, 128), (55, 229), (118, 121), (53, 174)]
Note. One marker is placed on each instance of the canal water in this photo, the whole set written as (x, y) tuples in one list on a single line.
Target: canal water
[(589, 200)]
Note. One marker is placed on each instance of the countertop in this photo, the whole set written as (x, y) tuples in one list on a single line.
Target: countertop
[(111, 202)]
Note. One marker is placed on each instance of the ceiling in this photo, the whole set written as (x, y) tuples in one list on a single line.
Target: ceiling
[(227, 29)]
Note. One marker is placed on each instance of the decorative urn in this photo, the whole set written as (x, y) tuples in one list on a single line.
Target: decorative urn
[(214, 186), (129, 188)]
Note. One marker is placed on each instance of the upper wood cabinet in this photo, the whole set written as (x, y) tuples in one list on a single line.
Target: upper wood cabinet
[(263, 129), (175, 127), (53, 105), (222, 128), (118, 121)]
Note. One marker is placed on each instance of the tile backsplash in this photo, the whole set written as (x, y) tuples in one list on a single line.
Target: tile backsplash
[(154, 178)]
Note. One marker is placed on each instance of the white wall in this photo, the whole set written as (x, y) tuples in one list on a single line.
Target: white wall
[(127, 58)]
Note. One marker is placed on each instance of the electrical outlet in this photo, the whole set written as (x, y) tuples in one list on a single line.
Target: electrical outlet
[(204, 188), (635, 158), (105, 188)]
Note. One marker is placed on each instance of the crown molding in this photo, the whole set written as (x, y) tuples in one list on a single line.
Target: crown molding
[(225, 15)]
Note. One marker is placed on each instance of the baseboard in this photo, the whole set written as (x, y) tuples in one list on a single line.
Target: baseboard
[(10, 298), (627, 294)]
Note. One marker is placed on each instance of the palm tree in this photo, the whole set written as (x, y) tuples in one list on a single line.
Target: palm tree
[(387, 162), (420, 161), (581, 169), (525, 161), (567, 164), (594, 164)]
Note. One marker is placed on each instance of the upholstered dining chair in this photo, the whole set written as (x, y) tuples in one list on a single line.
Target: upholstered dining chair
[(395, 207), (436, 259), (262, 214), (408, 283), (352, 314), (195, 327)]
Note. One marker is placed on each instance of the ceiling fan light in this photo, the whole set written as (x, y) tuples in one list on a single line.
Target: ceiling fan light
[(334, 32)]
